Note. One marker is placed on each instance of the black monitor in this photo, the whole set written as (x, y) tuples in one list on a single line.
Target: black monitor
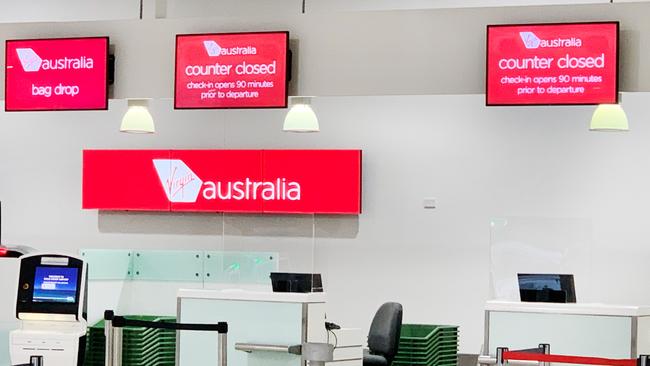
[(296, 282), (538, 287)]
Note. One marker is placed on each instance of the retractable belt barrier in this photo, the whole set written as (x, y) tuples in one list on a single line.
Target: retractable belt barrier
[(542, 356), (113, 325), (579, 360)]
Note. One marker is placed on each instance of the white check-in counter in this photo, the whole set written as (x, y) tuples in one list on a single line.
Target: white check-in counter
[(280, 320), (595, 330)]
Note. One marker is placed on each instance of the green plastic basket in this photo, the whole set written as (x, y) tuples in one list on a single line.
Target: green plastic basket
[(427, 345)]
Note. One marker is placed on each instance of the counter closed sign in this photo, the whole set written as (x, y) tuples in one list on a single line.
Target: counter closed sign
[(552, 64), (255, 181), (239, 70), (56, 74)]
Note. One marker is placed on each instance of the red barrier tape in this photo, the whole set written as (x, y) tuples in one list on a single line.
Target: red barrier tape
[(524, 356)]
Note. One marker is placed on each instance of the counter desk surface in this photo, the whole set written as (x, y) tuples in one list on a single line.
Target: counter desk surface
[(576, 308), (242, 295)]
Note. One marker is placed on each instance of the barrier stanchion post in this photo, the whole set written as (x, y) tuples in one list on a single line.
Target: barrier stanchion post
[(546, 350), (500, 352), (643, 360), (108, 334), (117, 347), (222, 346), (118, 324)]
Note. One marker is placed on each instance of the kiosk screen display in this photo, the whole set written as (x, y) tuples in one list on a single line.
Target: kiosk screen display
[(55, 284)]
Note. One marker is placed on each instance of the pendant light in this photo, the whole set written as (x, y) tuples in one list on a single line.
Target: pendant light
[(609, 117), (301, 117), (137, 118)]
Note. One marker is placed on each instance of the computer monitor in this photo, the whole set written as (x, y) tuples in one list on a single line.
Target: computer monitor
[(538, 287)]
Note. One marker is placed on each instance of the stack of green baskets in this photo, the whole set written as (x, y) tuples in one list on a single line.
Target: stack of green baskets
[(427, 345), (140, 346)]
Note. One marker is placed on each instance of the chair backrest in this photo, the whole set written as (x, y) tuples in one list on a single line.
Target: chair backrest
[(385, 330)]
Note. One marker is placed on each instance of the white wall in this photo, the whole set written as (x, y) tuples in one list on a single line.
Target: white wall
[(87, 10), (83, 10), (67, 10), (478, 162), (203, 8)]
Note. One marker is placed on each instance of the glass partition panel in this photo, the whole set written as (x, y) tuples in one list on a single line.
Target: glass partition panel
[(257, 245), (168, 265), (108, 264), (526, 245), (240, 267)]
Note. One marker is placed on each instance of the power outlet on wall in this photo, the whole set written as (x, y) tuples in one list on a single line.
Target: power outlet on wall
[(430, 203)]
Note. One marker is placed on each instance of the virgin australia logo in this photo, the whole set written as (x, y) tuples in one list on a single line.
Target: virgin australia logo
[(182, 185), (212, 48), (531, 41), (30, 61), (179, 181)]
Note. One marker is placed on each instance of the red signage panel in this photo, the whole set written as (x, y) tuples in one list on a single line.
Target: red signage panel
[(56, 74), (231, 70), (339, 193), (552, 64), (112, 180), (252, 181)]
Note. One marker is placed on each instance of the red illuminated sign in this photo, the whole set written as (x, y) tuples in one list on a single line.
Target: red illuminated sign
[(251, 181), (553, 64), (231, 70), (56, 74)]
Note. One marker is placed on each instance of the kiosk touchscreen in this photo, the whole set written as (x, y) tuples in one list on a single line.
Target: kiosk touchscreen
[(51, 307)]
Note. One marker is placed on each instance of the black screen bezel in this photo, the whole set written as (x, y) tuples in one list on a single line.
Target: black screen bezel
[(25, 300)]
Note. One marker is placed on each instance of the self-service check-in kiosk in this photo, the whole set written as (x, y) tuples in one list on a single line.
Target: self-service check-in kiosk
[(51, 307)]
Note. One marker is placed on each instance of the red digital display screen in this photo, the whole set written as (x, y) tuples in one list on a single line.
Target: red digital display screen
[(251, 181), (56, 74), (552, 64), (231, 70)]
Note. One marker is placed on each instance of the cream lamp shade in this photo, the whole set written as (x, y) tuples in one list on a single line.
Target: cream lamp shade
[(609, 117), (137, 118), (301, 117)]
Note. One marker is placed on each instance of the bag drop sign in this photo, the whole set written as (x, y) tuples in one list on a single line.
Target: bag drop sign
[(553, 64), (56, 74), (253, 181), (237, 70)]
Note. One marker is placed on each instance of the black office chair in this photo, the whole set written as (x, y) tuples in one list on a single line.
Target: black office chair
[(383, 338)]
